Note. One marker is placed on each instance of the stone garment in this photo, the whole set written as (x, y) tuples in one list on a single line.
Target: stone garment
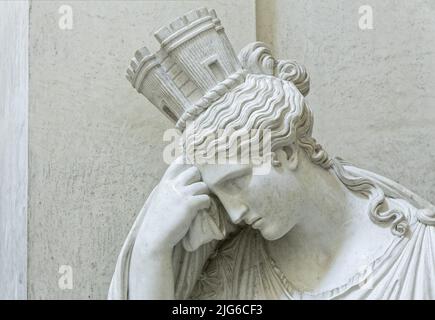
[(240, 267)]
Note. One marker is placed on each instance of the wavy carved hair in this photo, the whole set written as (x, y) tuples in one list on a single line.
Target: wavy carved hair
[(272, 97)]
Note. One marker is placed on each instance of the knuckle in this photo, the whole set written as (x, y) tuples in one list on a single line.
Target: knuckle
[(202, 184), (204, 199), (194, 171)]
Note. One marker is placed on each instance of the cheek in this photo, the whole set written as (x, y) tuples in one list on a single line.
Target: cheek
[(273, 197)]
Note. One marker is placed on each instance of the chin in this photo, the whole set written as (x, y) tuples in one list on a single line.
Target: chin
[(273, 232)]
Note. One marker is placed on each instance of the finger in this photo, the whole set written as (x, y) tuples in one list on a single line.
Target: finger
[(175, 168), (197, 188), (201, 201), (189, 176)]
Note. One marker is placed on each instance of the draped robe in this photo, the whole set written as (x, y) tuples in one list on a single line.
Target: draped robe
[(240, 267)]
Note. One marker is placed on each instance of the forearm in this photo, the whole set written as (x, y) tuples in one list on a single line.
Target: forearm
[(151, 275), (176, 202)]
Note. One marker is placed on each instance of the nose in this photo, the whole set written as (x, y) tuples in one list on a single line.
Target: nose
[(237, 214), (236, 211)]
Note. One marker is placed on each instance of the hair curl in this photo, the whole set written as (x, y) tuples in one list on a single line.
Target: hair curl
[(257, 59)]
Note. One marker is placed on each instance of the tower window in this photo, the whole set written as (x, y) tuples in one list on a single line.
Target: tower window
[(217, 70), (214, 68)]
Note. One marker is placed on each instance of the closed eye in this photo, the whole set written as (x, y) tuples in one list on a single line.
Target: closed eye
[(236, 184)]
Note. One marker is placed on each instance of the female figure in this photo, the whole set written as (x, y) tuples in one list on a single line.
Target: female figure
[(312, 227)]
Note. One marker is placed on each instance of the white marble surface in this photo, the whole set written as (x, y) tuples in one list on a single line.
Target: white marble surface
[(332, 230), (14, 24)]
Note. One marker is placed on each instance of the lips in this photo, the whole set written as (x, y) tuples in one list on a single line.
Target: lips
[(256, 223)]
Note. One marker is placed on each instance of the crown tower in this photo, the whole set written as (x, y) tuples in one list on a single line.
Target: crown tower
[(195, 65)]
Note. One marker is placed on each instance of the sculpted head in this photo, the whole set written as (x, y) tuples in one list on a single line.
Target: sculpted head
[(270, 100), (218, 99)]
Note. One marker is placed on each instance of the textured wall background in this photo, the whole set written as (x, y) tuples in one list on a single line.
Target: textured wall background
[(372, 91), (95, 144), (14, 34)]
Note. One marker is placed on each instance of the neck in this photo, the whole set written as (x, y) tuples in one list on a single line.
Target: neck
[(328, 202), (334, 228)]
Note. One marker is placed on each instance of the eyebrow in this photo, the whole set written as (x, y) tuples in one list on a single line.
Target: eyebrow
[(240, 172)]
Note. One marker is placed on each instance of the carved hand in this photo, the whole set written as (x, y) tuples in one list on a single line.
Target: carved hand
[(178, 198)]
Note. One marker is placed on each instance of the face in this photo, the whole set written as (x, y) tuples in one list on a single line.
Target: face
[(267, 202)]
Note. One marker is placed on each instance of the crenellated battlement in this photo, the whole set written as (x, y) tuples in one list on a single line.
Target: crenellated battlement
[(185, 27), (195, 56)]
